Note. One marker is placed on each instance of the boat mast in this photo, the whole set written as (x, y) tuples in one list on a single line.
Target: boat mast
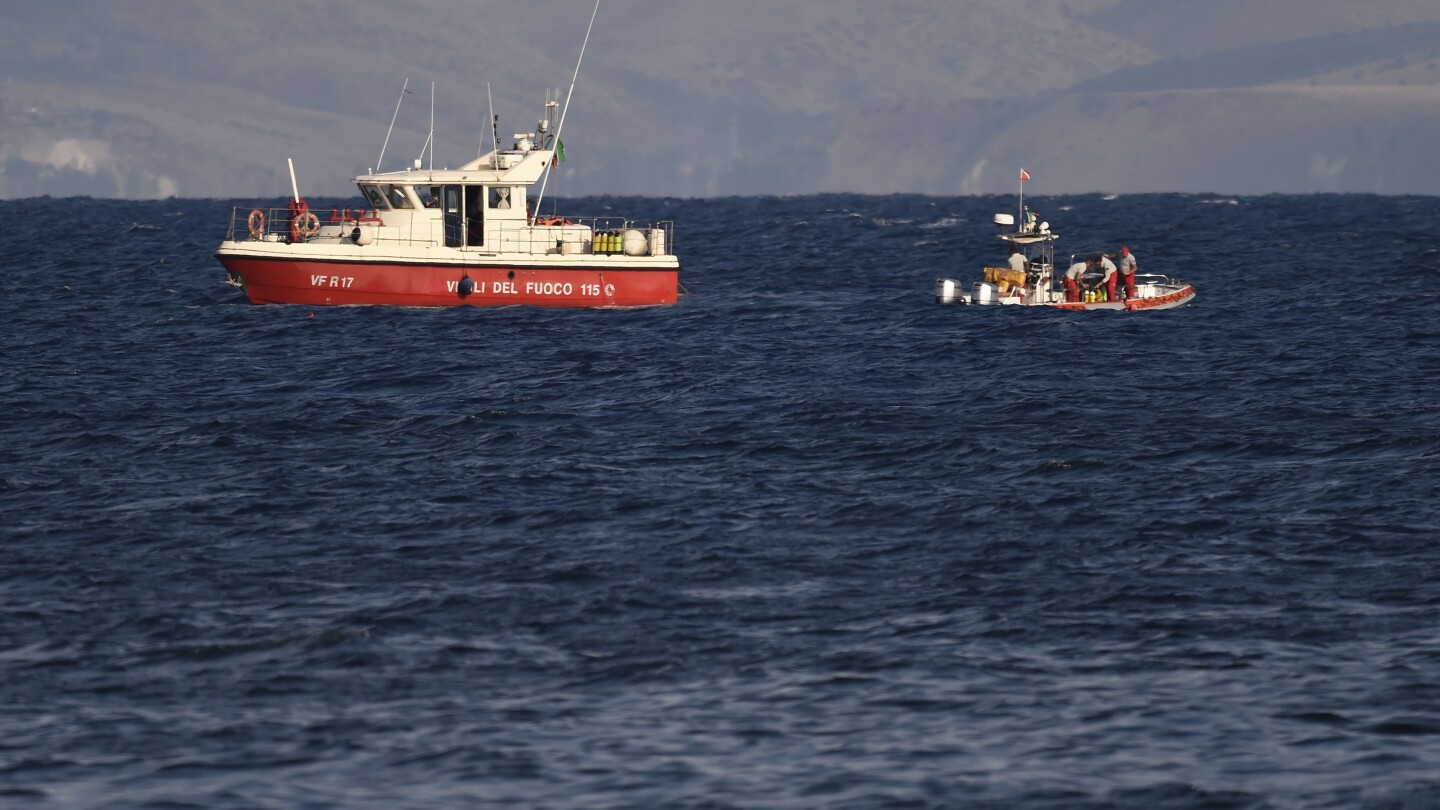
[(1021, 213), (294, 189), (559, 127)]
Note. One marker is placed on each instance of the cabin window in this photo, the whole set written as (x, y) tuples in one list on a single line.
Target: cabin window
[(398, 197), (433, 198), (375, 196), (500, 197)]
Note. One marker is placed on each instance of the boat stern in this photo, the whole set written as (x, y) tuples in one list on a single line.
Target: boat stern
[(981, 293)]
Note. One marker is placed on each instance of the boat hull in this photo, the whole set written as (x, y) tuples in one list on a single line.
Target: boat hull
[(1159, 296), (1168, 300), (313, 282)]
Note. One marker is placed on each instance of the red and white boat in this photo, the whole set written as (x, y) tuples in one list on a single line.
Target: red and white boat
[(1038, 284), (452, 237)]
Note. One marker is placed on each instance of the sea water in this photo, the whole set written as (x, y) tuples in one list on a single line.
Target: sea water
[(804, 539)]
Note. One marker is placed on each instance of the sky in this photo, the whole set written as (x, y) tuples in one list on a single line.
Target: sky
[(160, 98)]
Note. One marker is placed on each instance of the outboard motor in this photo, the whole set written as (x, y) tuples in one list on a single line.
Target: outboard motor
[(947, 291)]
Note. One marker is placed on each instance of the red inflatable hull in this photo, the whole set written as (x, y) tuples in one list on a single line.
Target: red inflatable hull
[(1167, 301)]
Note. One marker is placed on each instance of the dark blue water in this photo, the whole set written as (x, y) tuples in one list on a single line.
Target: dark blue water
[(806, 539)]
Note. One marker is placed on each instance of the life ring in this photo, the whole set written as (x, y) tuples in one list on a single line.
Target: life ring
[(257, 223), (307, 224)]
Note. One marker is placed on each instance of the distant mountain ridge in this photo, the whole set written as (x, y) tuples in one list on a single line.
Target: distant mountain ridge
[(1278, 63), (144, 98)]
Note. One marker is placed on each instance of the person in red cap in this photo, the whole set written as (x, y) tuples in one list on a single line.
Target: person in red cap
[(1127, 271)]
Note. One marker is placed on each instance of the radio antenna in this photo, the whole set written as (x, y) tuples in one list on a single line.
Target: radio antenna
[(430, 140), (403, 90), (561, 126), (494, 123)]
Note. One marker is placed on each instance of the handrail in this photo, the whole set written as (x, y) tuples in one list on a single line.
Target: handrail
[(1163, 278), (605, 235)]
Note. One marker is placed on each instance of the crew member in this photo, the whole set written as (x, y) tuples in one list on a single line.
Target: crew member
[(1016, 278), (1127, 271), (1018, 262), (1074, 279), (1108, 275)]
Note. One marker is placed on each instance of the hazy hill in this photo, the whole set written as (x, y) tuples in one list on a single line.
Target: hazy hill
[(158, 97)]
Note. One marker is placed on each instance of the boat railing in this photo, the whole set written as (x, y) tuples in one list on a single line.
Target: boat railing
[(1156, 278), (281, 224), (600, 236), (1094, 277)]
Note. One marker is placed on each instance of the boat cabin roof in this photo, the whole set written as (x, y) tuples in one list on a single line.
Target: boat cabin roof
[(1030, 238), (508, 167)]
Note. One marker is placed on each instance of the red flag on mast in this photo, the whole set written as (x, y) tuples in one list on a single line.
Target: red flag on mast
[(1024, 175)]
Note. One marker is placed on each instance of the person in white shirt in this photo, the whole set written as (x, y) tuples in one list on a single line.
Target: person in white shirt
[(1074, 278), (1107, 267), (1128, 266), (1018, 262)]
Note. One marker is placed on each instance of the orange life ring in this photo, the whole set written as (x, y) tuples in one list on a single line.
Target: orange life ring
[(257, 223), (307, 224)]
